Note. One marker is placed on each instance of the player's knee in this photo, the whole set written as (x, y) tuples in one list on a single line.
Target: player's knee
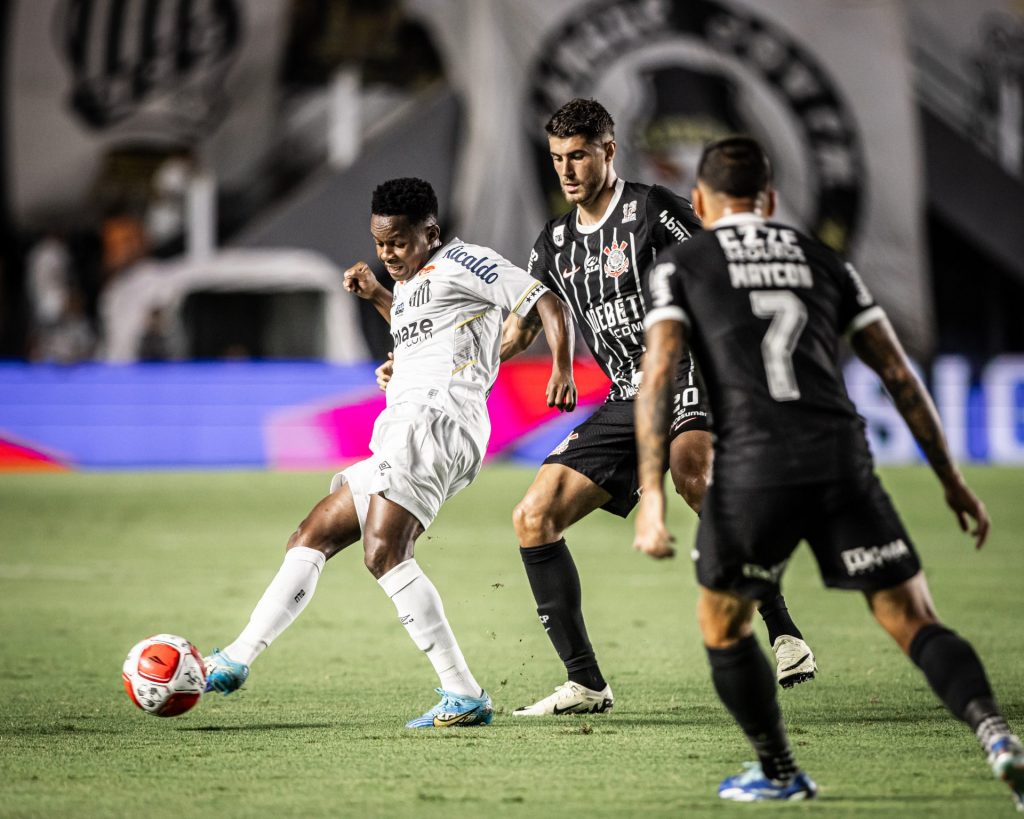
[(724, 618), (381, 554), (532, 521), (691, 469)]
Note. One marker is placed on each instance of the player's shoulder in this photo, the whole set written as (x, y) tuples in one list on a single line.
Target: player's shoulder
[(557, 231), (673, 211), (814, 249)]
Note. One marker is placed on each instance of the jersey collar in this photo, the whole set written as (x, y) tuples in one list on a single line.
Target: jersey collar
[(620, 183), (734, 219)]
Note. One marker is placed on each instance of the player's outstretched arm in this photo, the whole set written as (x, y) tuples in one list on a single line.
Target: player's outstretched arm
[(879, 348), (360, 279), (554, 317), (653, 403)]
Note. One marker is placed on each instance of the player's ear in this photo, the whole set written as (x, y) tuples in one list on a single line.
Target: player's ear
[(609, 150), (433, 233), (697, 202)]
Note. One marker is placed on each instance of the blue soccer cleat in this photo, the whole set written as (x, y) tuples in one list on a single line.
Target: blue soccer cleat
[(753, 786), (456, 710), (1007, 761), (224, 674)]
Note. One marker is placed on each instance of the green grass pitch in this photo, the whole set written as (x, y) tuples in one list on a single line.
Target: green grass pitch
[(91, 563)]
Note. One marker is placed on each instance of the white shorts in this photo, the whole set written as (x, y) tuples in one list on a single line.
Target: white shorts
[(421, 457)]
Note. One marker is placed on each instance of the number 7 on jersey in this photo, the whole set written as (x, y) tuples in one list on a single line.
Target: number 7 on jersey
[(788, 316)]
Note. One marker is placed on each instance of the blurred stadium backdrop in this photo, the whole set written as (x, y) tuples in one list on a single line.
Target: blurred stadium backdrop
[(184, 182)]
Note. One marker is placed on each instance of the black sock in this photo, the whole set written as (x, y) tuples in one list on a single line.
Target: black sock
[(952, 669), (776, 618), (556, 588), (746, 686)]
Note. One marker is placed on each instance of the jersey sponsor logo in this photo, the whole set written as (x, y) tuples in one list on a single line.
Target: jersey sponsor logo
[(677, 229), (421, 296), (478, 267), (558, 236), (682, 99), (629, 212), (399, 309), (759, 243), (618, 317), (534, 255), (413, 333), (592, 264), (859, 561), (425, 270), (616, 262)]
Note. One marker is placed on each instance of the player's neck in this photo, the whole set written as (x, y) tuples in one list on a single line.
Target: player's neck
[(594, 212)]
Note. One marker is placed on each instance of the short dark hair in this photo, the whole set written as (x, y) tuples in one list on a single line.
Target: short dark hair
[(736, 166), (406, 196), (581, 117)]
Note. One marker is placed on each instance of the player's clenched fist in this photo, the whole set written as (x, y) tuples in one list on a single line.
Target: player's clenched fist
[(385, 371), (360, 279), (652, 538)]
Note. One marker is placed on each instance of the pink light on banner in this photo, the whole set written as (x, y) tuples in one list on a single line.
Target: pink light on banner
[(324, 435), (518, 404)]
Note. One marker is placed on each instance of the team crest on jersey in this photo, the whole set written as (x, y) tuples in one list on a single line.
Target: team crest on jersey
[(629, 212), (558, 236), (616, 263), (558, 450), (421, 296)]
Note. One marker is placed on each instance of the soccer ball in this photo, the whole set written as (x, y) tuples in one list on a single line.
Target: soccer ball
[(164, 675)]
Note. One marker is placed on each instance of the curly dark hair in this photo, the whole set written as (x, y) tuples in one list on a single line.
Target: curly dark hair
[(406, 196), (582, 117), (735, 165)]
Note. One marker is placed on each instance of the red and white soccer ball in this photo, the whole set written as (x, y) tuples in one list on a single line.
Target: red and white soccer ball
[(164, 675)]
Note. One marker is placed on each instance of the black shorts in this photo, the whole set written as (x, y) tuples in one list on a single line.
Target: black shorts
[(746, 536), (603, 448)]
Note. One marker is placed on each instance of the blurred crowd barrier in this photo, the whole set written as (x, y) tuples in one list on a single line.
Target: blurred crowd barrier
[(306, 415)]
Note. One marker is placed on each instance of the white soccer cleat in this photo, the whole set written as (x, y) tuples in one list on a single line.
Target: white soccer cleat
[(795, 661), (570, 698)]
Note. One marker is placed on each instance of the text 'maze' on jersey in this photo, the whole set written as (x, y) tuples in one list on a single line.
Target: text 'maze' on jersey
[(446, 326), (764, 308), (598, 271)]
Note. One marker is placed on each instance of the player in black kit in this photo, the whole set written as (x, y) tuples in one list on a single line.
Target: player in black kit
[(594, 257), (763, 308)]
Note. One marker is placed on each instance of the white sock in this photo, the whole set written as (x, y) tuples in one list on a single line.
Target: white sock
[(285, 598), (421, 612)]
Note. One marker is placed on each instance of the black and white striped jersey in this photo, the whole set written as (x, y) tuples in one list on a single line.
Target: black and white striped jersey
[(598, 270)]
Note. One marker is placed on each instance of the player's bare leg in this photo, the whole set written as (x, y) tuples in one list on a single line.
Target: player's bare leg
[(331, 526), (558, 498), (690, 460), (744, 682), (954, 672)]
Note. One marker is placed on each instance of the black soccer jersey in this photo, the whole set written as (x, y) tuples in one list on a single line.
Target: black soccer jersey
[(764, 307), (598, 270)]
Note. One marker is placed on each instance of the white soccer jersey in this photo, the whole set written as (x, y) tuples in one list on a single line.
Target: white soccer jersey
[(446, 325)]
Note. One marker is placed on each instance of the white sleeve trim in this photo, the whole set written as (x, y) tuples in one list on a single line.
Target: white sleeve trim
[(863, 319), (529, 298), (669, 313)]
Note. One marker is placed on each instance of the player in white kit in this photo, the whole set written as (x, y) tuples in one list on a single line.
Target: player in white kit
[(446, 319)]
